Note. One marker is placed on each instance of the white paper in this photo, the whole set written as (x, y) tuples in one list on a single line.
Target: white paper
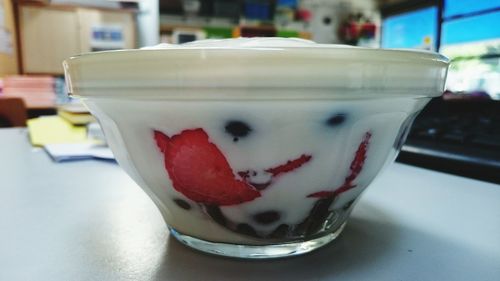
[(78, 151)]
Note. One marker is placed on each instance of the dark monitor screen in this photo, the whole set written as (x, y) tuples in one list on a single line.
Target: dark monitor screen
[(186, 37), (416, 29)]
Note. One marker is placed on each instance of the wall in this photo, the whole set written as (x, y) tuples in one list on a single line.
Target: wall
[(148, 23), (8, 58)]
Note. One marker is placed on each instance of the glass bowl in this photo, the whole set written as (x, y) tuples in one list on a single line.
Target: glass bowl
[(255, 148)]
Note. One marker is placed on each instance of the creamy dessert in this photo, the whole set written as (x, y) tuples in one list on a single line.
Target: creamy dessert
[(251, 145)]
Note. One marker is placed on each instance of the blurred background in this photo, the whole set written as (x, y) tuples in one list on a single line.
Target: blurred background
[(458, 133)]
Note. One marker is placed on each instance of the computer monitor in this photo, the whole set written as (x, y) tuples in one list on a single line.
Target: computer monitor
[(470, 37), (454, 8), (415, 29)]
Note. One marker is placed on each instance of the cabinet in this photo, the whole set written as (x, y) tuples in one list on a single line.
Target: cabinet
[(50, 34), (92, 20), (8, 52)]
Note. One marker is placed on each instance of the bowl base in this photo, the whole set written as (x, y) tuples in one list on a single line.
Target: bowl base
[(256, 251)]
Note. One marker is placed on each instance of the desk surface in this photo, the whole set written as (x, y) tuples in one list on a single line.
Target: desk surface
[(88, 221)]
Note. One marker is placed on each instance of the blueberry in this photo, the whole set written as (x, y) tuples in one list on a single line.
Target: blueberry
[(183, 204), (267, 217), (246, 229), (216, 214), (314, 222), (281, 231), (237, 129), (336, 119)]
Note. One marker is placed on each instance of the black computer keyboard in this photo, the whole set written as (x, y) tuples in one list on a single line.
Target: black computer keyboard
[(458, 136)]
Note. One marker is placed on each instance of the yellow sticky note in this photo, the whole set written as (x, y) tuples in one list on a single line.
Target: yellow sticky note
[(54, 129)]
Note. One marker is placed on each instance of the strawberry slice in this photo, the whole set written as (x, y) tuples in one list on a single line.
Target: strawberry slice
[(290, 165), (200, 171), (355, 168)]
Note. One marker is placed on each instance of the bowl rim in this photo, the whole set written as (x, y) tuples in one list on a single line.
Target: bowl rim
[(340, 70)]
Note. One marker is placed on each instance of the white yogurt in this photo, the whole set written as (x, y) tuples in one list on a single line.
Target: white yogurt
[(282, 130)]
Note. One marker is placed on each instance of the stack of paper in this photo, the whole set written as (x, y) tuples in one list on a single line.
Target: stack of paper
[(36, 91), (76, 114), (78, 151), (53, 129), (65, 142)]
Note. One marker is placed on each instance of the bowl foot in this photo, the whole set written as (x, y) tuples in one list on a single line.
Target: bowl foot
[(256, 251)]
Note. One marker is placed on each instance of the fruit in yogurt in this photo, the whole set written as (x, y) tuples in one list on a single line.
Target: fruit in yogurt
[(320, 212), (199, 170), (355, 168)]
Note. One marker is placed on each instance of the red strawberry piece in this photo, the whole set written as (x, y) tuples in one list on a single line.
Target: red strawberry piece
[(199, 170), (359, 158), (290, 165), (355, 168)]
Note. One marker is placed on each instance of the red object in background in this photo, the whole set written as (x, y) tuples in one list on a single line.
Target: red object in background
[(368, 30), (349, 32), (303, 15), (475, 95), (356, 27)]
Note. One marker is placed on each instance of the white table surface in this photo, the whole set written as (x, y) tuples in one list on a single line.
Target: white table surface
[(88, 221)]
